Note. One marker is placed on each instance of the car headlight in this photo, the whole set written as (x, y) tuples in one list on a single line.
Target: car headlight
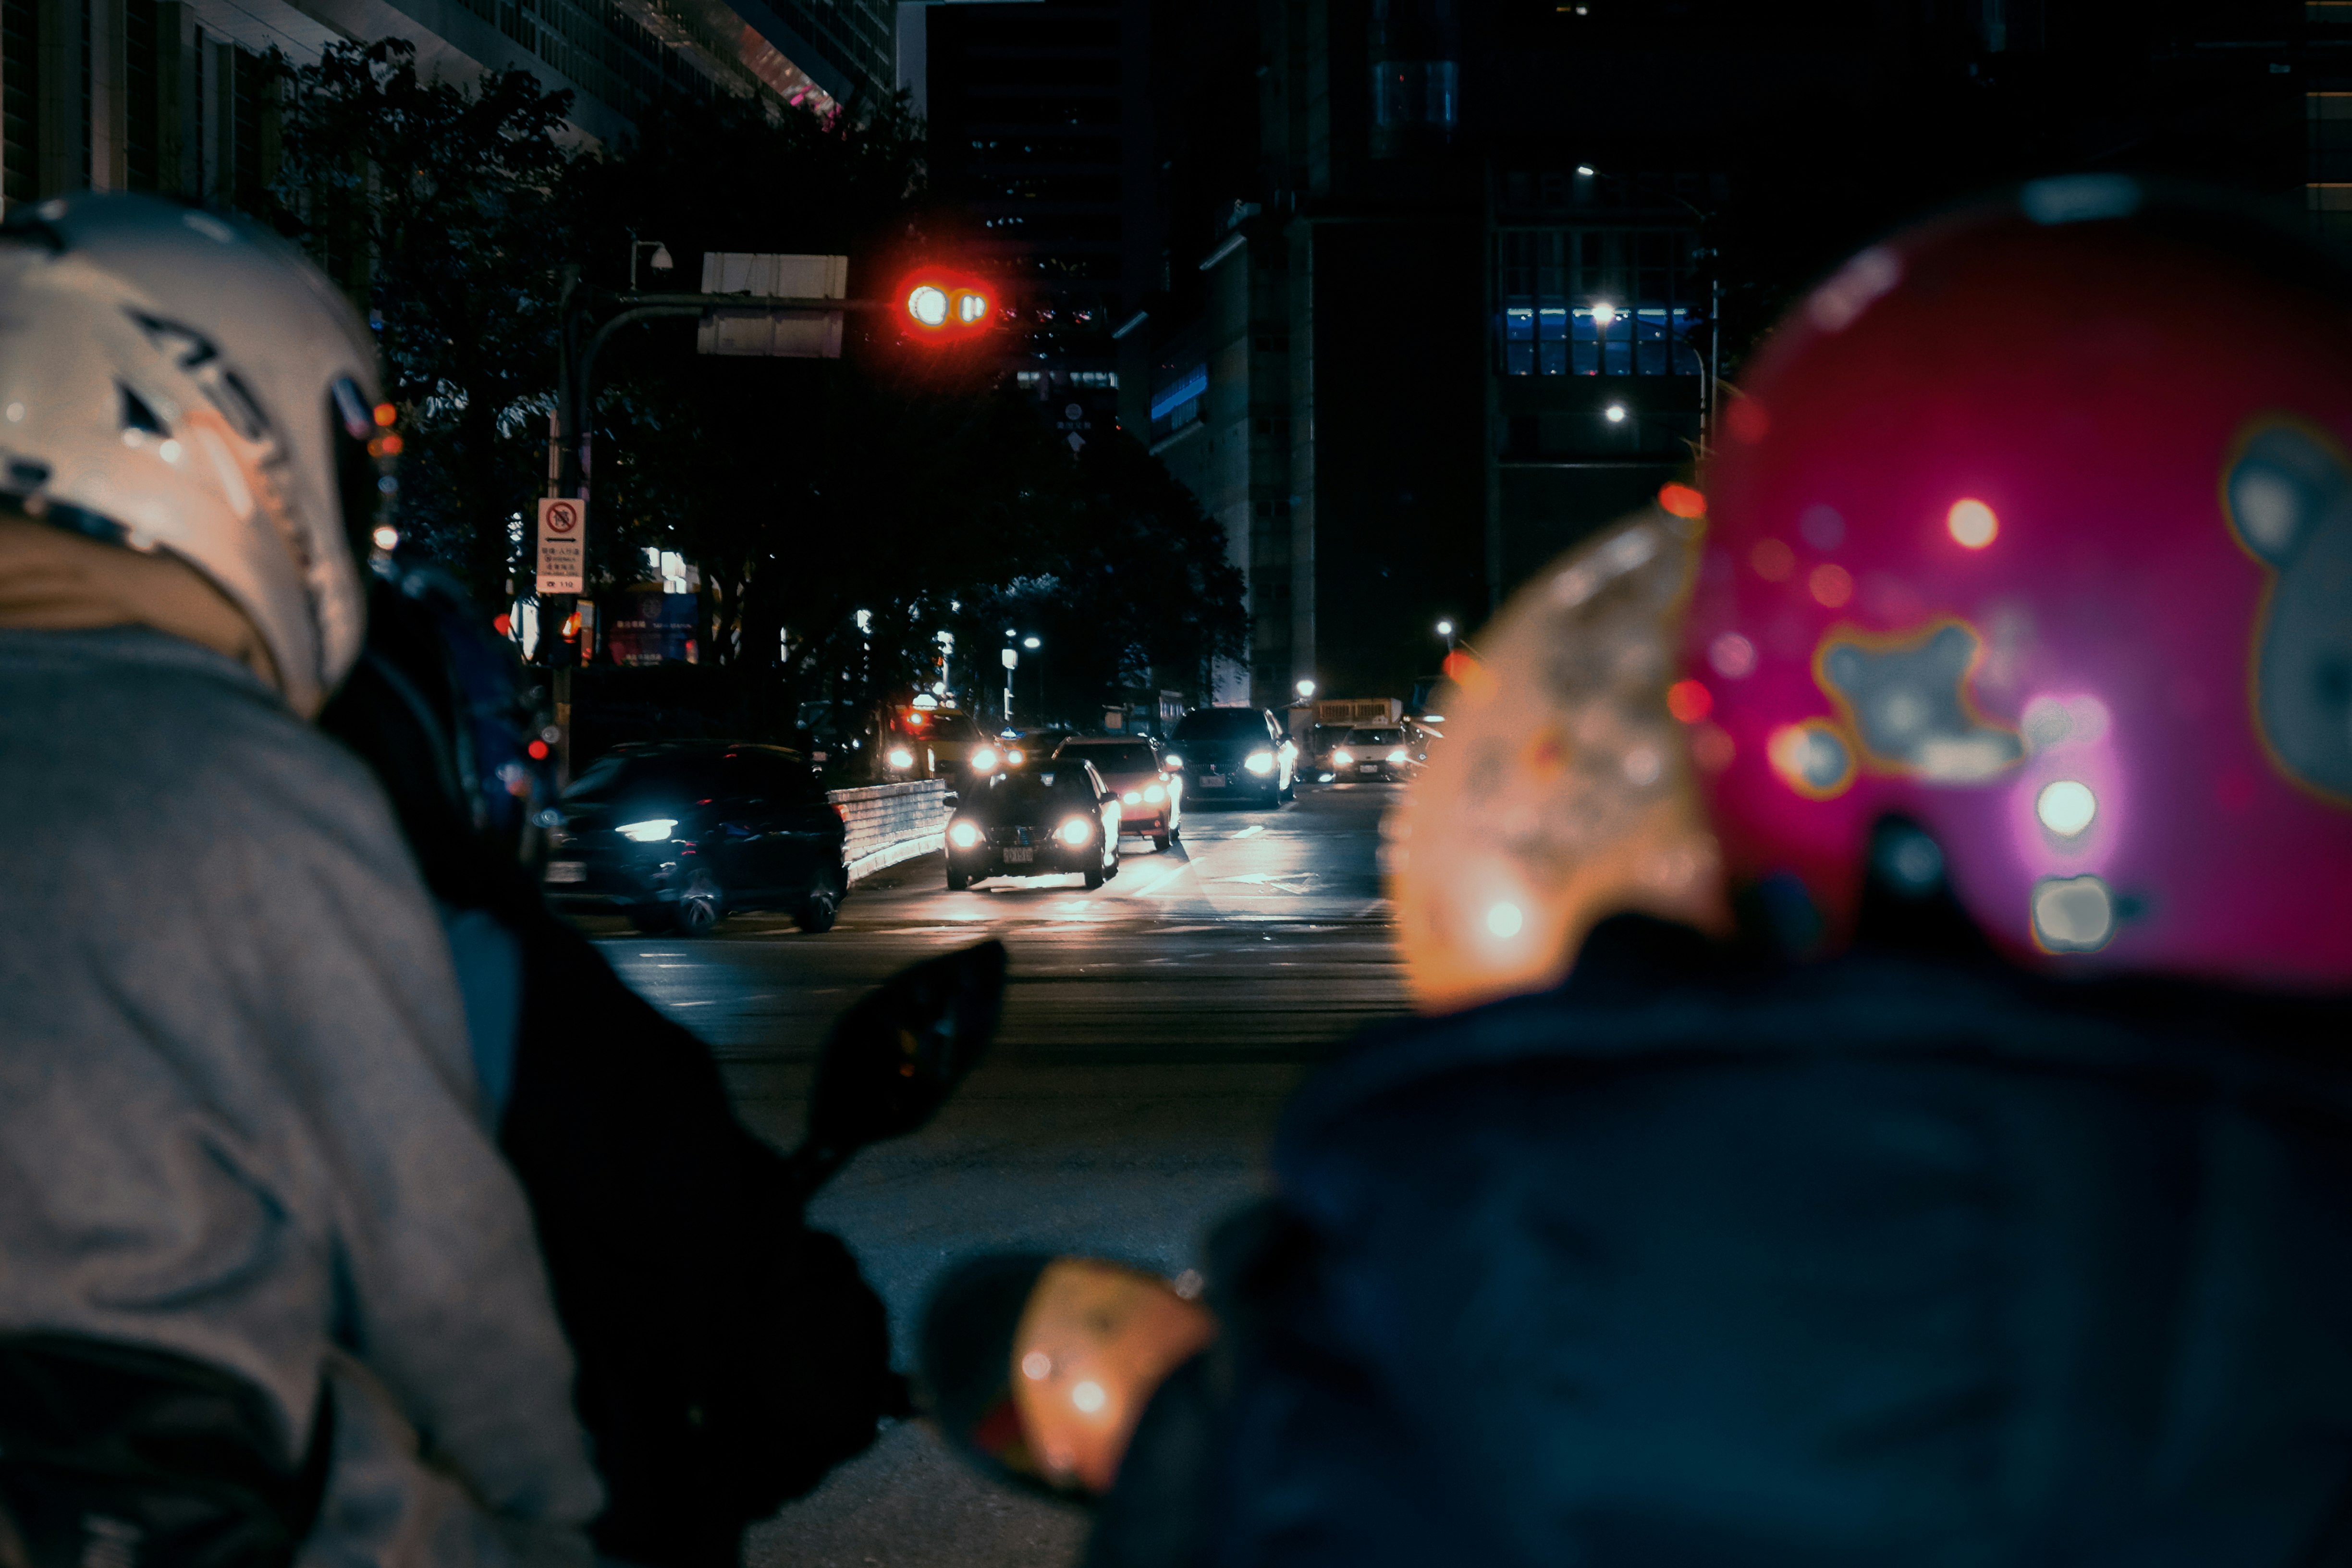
[(1398, 755), (1259, 761), (1014, 756), (1154, 793), (984, 761), (1343, 757), (962, 835), (1077, 830), (1172, 760), (899, 757), (1132, 797), (652, 830)]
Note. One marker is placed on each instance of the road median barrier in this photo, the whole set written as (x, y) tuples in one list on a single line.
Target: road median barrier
[(890, 823)]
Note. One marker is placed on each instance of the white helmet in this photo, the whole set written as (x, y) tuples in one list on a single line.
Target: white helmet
[(173, 380)]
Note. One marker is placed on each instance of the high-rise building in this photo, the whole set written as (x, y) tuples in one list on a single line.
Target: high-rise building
[(1040, 117), (176, 95), (1453, 284)]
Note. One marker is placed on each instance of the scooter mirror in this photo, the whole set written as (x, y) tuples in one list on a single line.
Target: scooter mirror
[(893, 1059)]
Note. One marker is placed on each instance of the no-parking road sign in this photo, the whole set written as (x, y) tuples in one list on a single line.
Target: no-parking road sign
[(562, 539)]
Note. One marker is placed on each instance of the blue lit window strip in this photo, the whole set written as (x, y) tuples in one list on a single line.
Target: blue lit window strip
[(1549, 280), (1195, 382), (1563, 340)]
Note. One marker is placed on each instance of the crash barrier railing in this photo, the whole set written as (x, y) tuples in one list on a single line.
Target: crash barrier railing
[(893, 822)]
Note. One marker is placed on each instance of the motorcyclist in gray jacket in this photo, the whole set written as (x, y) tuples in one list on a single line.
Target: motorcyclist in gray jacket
[(242, 1168)]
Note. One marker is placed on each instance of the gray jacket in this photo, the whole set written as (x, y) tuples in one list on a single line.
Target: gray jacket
[(237, 1115)]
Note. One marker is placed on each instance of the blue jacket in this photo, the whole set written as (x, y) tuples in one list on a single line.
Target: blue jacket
[(1897, 1259)]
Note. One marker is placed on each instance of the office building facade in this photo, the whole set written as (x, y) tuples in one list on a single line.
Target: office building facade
[(1040, 116), (177, 95), (1456, 303)]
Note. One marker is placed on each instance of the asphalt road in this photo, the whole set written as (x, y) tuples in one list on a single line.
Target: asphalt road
[(1151, 1031)]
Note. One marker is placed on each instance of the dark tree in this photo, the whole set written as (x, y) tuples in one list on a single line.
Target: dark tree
[(433, 205)]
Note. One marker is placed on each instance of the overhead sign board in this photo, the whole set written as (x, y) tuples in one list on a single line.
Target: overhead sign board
[(563, 546), (765, 333)]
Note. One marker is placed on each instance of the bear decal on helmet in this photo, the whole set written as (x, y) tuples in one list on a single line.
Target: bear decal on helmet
[(1907, 700), (2288, 496)]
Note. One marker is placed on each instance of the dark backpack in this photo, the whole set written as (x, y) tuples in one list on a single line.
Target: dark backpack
[(116, 1455)]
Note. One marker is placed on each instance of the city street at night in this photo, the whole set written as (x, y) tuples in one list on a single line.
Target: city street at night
[(1151, 1031), (1775, 581)]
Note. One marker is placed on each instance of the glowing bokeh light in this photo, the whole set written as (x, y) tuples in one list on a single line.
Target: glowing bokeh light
[(1681, 501), (2073, 914), (1504, 921), (1972, 524), (928, 303), (2067, 807), (1733, 656), (1689, 700)]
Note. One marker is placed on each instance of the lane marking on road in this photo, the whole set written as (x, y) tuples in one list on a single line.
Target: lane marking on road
[(1161, 881), (1246, 832)]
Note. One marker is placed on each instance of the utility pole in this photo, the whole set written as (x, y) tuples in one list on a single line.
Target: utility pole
[(564, 477), (1011, 656)]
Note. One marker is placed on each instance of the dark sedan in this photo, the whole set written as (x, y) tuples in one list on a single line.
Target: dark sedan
[(1229, 753), (1059, 818), (678, 835)]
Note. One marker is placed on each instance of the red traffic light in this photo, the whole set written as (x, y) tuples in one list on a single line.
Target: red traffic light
[(944, 306)]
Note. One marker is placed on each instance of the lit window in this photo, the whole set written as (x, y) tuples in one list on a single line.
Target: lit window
[(1600, 302)]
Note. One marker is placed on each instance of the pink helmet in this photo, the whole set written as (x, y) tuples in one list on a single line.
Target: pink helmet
[(2035, 528)]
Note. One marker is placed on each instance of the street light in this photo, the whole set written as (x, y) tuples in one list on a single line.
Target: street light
[(1714, 362), (1604, 314), (1445, 630), (1614, 414), (661, 261), (1306, 688)]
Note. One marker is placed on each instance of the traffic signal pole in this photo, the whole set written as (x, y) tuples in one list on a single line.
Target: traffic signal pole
[(570, 464), (965, 309)]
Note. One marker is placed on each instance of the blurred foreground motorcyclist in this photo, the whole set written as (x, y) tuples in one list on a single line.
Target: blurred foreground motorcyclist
[(265, 1282), (1937, 1150), (728, 1356)]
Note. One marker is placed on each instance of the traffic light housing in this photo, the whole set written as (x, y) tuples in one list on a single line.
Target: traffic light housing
[(936, 306)]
